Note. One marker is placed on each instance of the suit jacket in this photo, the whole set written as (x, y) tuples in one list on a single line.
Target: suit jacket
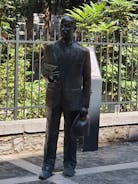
[(72, 87)]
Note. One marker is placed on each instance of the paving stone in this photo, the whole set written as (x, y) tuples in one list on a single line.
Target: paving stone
[(39, 182), (127, 176), (111, 155), (116, 154), (8, 170), (37, 160)]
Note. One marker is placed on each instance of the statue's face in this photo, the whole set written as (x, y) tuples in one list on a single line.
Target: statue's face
[(67, 28)]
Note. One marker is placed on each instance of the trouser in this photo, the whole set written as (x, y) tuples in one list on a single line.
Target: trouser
[(70, 145)]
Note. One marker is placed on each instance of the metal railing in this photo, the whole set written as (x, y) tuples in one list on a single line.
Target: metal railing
[(22, 88)]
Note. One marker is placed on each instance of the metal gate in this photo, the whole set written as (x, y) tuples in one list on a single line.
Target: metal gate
[(22, 88)]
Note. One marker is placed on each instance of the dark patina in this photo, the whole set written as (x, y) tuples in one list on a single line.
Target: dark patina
[(67, 68)]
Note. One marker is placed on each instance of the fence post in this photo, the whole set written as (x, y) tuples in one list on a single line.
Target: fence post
[(119, 68), (16, 73)]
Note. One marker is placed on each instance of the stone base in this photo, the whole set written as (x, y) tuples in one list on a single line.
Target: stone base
[(27, 142), (114, 134)]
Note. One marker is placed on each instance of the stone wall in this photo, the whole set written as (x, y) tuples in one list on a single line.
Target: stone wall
[(114, 134), (27, 142), (22, 142), (29, 135)]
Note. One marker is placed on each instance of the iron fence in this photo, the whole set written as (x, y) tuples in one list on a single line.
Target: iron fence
[(22, 87)]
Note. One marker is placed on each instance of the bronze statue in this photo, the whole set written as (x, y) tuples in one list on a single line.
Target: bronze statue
[(67, 68)]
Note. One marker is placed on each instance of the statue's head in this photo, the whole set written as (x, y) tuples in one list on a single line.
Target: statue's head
[(67, 28)]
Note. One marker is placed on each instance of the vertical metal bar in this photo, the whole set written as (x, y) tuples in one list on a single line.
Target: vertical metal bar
[(119, 68), (101, 52), (7, 81), (39, 65), (136, 41), (75, 35), (132, 72), (107, 58), (25, 54), (0, 46), (126, 77), (137, 74), (39, 75), (16, 74), (101, 60), (32, 76), (95, 40), (137, 87), (82, 37), (88, 38), (113, 53)]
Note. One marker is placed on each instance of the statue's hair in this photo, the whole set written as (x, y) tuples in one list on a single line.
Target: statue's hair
[(66, 17)]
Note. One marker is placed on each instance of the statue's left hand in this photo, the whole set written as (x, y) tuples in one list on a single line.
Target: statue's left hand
[(83, 113)]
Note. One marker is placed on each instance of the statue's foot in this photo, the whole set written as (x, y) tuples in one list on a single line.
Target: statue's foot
[(69, 171), (45, 174)]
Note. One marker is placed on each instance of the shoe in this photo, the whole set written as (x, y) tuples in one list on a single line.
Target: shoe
[(69, 171), (45, 174)]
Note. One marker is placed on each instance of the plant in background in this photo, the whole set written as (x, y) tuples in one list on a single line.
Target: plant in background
[(121, 11), (6, 17), (106, 16), (91, 18), (101, 23), (30, 93)]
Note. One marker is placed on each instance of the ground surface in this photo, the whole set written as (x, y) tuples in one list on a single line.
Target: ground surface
[(117, 164)]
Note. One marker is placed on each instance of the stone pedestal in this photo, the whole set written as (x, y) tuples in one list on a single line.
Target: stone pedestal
[(91, 141)]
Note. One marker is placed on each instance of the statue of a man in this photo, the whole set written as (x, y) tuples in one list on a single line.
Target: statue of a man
[(67, 68)]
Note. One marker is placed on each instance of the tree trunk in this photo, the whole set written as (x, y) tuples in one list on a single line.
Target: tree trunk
[(29, 27), (47, 18)]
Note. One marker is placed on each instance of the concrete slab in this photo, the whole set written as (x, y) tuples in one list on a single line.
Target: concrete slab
[(107, 168), (118, 119), (38, 182), (26, 165), (8, 128), (128, 176), (9, 170), (117, 164), (110, 155), (18, 180), (39, 125)]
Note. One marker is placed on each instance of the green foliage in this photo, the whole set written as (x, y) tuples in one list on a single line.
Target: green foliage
[(6, 16), (102, 22), (89, 17), (121, 11), (106, 16), (30, 93)]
